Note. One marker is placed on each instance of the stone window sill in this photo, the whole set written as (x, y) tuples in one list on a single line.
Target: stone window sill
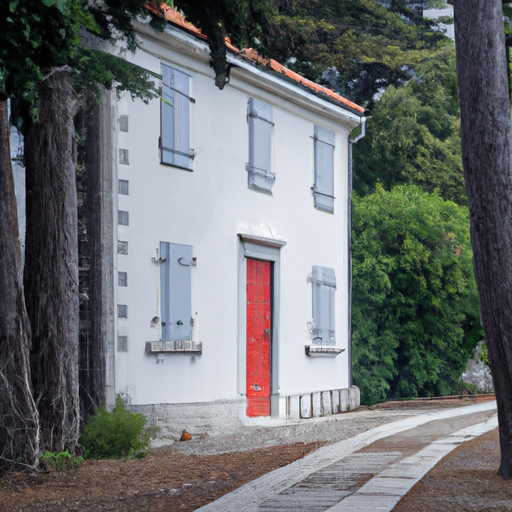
[(323, 351), (174, 347)]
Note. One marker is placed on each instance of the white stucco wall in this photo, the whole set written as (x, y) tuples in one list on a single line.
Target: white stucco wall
[(207, 209)]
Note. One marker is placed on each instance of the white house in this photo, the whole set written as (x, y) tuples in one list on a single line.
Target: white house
[(226, 247)]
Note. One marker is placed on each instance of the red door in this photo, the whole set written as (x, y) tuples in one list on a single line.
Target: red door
[(258, 337)]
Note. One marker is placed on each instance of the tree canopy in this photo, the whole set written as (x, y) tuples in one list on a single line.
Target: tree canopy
[(358, 47), (415, 305), (38, 38), (246, 22), (413, 133)]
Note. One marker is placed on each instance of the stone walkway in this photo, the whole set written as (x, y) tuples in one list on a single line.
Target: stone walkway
[(370, 471)]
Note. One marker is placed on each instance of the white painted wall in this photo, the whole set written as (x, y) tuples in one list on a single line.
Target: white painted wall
[(206, 209)]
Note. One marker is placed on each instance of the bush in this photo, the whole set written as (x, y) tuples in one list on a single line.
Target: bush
[(120, 433), (415, 303), (60, 461)]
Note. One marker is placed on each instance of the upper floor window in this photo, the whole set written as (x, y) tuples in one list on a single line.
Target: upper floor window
[(175, 118), (323, 189), (260, 145)]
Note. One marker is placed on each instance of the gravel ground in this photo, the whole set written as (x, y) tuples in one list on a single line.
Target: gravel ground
[(320, 430)]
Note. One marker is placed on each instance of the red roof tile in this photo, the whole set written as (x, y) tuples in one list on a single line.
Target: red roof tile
[(249, 54)]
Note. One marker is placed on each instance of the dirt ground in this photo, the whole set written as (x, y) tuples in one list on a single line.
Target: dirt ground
[(169, 480), (465, 480), (164, 480)]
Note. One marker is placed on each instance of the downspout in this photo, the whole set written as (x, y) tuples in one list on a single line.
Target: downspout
[(349, 220)]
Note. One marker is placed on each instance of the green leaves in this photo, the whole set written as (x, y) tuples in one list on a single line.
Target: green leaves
[(117, 433), (414, 294), (36, 37), (413, 135), (61, 5), (370, 46)]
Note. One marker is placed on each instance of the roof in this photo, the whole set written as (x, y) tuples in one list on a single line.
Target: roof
[(249, 54)]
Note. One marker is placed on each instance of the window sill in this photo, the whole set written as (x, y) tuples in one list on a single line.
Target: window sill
[(260, 189), (174, 347), (176, 166), (323, 351)]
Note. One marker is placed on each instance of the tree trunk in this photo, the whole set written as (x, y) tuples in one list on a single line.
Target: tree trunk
[(486, 150), (19, 423), (51, 263)]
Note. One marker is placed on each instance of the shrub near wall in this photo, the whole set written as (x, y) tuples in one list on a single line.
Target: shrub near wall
[(115, 434), (415, 304)]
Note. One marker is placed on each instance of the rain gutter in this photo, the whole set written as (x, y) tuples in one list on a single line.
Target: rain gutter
[(351, 141)]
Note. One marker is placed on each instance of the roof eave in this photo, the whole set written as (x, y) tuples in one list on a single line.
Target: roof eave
[(290, 90), (257, 75)]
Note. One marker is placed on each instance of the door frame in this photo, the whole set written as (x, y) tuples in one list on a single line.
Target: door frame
[(268, 250)]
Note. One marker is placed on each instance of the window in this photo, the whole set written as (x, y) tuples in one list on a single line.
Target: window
[(260, 145), (122, 343), (175, 119), (124, 156), (123, 218), (323, 189), (123, 187), (123, 123), (324, 286), (122, 278), (175, 284)]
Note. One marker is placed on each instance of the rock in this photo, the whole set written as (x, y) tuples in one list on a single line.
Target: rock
[(478, 373)]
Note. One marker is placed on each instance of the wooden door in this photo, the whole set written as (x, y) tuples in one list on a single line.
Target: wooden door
[(259, 326)]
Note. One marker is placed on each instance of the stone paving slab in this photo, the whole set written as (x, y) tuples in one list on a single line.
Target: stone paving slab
[(385, 491), (367, 503), (272, 490)]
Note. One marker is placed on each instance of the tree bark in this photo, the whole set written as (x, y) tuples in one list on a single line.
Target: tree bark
[(51, 262), (19, 423), (486, 150)]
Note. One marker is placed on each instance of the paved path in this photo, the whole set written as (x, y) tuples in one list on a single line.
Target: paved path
[(368, 472)]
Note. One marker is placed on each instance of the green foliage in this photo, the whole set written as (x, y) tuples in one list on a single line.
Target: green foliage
[(415, 302), (247, 22), (507, 11), (413, 135), (466, 388), (105, 69), (484, 355), (61, 461), (366, 46), (36, 38), (115, 434)]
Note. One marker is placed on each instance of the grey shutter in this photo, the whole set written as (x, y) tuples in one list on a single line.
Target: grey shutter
[(323, 189), (324, 287), (175, 285), (260, 145), (176, 119)]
